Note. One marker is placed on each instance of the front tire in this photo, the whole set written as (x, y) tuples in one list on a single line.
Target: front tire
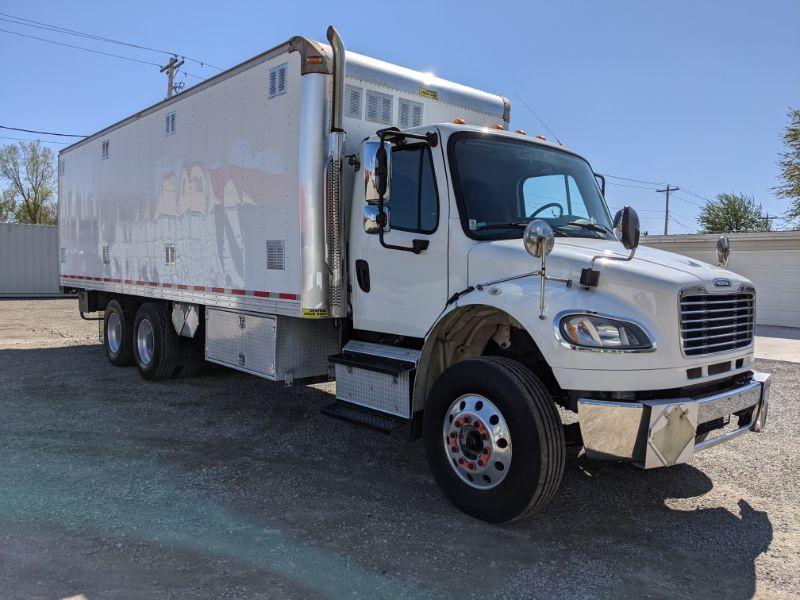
[(117, 334), (155, 343), (493, 439)]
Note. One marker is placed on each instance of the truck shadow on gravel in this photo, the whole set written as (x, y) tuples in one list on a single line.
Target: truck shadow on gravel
[(229, 465)]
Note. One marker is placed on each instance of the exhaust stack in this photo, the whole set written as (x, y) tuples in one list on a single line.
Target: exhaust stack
[(333, 186)]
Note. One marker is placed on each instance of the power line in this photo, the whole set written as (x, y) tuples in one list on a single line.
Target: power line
[(538, 118), (628, 185), (55, 28), (630, 179), (33, 37), (3, 137), (41, 132)]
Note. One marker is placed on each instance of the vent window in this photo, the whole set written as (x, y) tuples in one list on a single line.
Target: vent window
[(104, 149), (277, 80), (106, 256), (276, 255), (169, 123), (169, 254), (410, 113), (62, 255), (379, 107), (354, 101)]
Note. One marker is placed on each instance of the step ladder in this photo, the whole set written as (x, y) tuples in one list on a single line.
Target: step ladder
[(374, 384)]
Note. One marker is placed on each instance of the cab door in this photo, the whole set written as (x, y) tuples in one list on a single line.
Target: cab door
[(396, 291)]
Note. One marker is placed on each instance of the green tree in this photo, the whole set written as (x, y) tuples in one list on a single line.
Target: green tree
[(30, 172), (732, 212), (790, 165)]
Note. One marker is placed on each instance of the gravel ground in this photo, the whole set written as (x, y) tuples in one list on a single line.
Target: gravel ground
[(225, 485)]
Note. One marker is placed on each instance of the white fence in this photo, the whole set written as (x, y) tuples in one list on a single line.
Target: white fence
[(771, 260), (28, 260)]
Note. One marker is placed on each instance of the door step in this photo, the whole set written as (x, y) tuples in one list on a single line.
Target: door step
[(378, 377), (363, 416)]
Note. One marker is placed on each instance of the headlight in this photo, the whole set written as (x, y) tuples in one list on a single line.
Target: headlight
[(593, 331)]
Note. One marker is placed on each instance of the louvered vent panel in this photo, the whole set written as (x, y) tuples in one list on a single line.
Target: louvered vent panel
[(277, 80), (410, 113), (276, 255), (169, 254), (353, 101), (379, 107), (169, 123), (106, 255), (62, 255)]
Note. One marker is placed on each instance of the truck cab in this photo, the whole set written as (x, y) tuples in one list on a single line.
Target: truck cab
[(491, 257)]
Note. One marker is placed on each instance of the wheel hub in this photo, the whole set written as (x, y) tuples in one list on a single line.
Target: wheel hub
[(144, 341), (477, 441), (114, 332)]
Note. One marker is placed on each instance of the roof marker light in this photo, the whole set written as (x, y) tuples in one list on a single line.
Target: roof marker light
[(521, 132), (498, 126), (541, 137), (459, 121)]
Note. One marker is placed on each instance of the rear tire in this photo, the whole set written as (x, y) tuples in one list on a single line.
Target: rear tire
[(473, 407), (156, 346), (117, 333)]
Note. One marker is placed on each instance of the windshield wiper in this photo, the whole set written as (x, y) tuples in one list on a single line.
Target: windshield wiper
[(590, 226), (513, 225)]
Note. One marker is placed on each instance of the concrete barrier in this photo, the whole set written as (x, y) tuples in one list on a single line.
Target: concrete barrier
[(770, 259)]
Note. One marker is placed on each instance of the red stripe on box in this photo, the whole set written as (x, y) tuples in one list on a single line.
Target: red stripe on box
[(199, 288), (261, 294), (217, 290), (238, 292), (166, 285), (287, 296)]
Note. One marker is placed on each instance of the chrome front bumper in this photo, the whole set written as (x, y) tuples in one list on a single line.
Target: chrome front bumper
[(661, 433)]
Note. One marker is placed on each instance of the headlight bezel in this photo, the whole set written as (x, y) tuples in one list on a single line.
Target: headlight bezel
[(565, 339)]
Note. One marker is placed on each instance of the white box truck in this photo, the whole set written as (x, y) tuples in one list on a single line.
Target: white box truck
[(313, 210)]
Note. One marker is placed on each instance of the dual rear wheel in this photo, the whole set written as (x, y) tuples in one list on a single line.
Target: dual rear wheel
[(145, 336)]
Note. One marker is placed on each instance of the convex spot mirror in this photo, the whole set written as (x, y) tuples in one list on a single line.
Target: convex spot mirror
[(538, 238), (723, 250), (373, 217), (377, 165), (626, 227)]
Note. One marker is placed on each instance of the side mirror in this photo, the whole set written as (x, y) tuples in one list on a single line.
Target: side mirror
[(538, 238), (377, 165), (626, 228), (372, 218), (723, 250)]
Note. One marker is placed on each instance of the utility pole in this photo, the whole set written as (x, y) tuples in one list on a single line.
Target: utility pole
[(666, 191), (173, 65)]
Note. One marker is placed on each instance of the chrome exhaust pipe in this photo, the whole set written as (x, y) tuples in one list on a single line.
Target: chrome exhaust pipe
[(334, 219)]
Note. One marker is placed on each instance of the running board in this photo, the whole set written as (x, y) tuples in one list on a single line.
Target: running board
[(363, 416), (378, 377)]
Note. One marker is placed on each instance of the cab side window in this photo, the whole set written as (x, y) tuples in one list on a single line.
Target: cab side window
[(413, 202)]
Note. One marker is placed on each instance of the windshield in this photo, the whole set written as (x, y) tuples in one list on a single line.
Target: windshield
[(502, 184)]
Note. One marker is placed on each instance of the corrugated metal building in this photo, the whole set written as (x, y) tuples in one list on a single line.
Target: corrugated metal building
[(28, 260), (770, 259)]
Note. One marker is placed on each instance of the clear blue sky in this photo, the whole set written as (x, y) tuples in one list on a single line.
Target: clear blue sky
[(687, 92)]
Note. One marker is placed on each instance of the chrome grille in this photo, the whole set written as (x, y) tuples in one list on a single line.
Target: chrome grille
[(712, 323)]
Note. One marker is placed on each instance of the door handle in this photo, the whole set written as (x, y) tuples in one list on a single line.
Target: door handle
[(362, 275)]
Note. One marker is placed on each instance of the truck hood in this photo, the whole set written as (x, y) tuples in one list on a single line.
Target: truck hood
[(650, 267)]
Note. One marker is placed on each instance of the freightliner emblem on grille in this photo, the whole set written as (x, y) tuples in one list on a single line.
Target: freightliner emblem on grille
[(722, 282)]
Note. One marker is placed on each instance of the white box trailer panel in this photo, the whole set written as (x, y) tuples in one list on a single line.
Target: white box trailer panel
[(216, 196), (28, 260)]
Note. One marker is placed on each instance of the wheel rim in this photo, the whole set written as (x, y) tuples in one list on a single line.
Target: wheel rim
[(144, 341), (477, 441), (114, 332)]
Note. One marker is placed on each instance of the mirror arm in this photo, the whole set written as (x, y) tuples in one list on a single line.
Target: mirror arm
[(590, 277)]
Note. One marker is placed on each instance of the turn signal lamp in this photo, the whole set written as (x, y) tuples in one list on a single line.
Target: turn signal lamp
[(498, 126), (459, 121), (314, 60)]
